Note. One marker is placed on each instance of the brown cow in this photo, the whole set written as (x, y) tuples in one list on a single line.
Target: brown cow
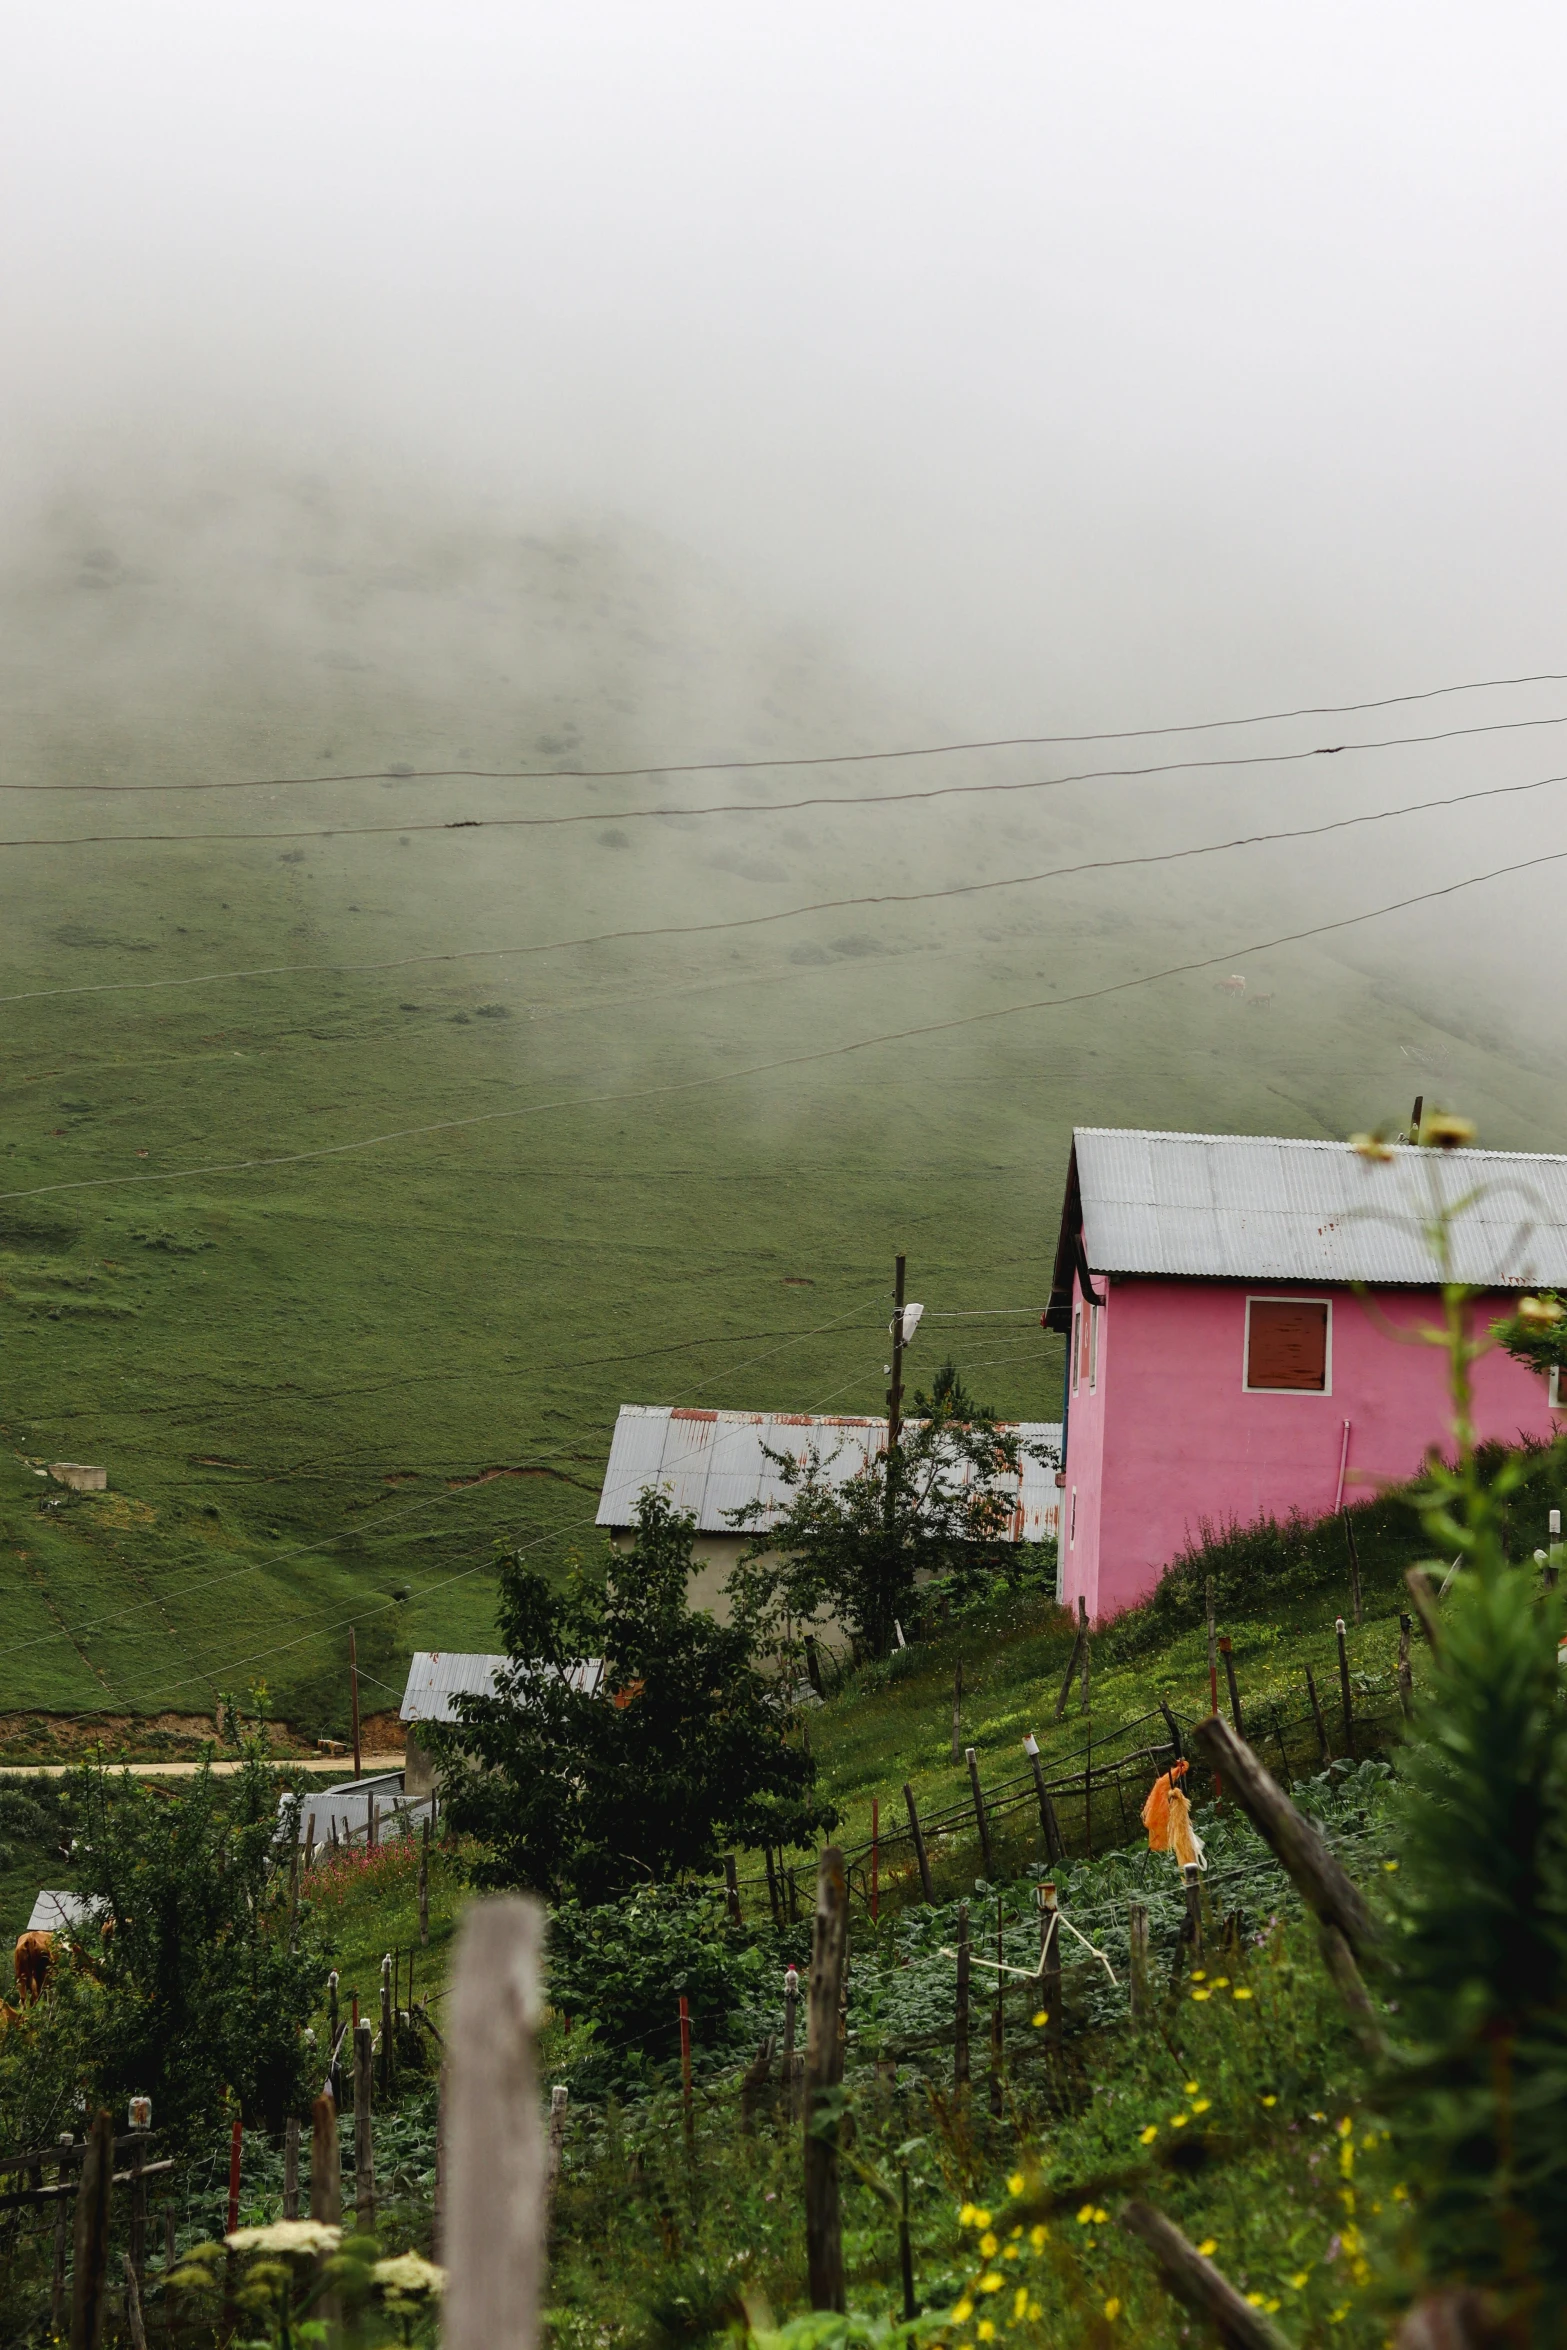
[(34, 1964)]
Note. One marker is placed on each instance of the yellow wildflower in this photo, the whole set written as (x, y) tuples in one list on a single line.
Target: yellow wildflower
[(990, 2282), (985, 2330), (1240, 1992), (1254, 2300), (1035, 2312), (1198, 1975), (1037, 2235), (1014, 2233), (1101, 2217), (1015, 2185), (1085, 2215), (1390, 1866), (987, 2245), (1112, 2309), (1192, 2087), (1010, 2252), (1147, 2137), (963, 2312), (1208, 2247), (1300, 2280), (1270, 2100), (1178, 2121), (981, 2217), (1200, 1994), (966, 2215), (1019, 2303), (1201, 2104), (1221, 1982), (1043, 2017)]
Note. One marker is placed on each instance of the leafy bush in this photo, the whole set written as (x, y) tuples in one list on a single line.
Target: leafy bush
[(622, 1966)]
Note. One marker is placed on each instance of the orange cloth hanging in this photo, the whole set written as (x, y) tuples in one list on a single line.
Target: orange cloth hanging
[(1156, 1811), (1184, 1842)]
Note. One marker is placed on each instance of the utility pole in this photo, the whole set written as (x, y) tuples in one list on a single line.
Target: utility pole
[(353, 1695), (895, 1392)]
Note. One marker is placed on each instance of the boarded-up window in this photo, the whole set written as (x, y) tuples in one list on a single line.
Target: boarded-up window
[(1287, 1343)]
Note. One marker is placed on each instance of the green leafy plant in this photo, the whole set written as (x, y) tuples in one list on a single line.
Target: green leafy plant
[(632, 1737), (935, 1510), (623, 1965)]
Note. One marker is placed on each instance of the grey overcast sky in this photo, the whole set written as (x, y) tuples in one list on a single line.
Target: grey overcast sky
[(1080, 363)]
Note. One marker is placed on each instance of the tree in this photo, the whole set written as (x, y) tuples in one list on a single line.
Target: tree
[(196, 1987), (592, 1782), (937, 1509)]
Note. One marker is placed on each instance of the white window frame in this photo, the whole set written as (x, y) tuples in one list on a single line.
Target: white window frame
[(1553, 1392), (1093, 1349), (1290, 1298), (1077, 1341)]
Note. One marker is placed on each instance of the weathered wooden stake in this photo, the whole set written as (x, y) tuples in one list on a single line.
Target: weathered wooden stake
[(424, 1883), (1199, 2284), (685, 2071), (1354, 1570), (291, 2167), (135, 2323), (310, 1843), (1070, 1674), (169, 2253), (1284, 1752), (62, 2213), (1191, 1935), (823, 2077), (493, 2211), (731, 1889), (1050, 1962), (1047, 1810), (920, 1853), (1174, 1728), (236, 2157), (813, 1665), (998, 2024), (560, 2098), (772, 1886), (326, 2162), (1226, 1650), (1213, 1670), (90, 2237), (1331, 1895), (333, 2074), (1417, 1583), (957, 1712), (388, 2036), (1082, 1618), (1137, 1975), (981, 1821), (960, 2066), (1406, 1682), (364, 2136), (791, 2061), (906, 2249), (138, 2207), (875, 1859), (1344, 1691), (1316, 1715)]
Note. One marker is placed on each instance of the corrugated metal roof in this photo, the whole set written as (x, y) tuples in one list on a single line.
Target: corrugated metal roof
[(715, 1462), (62, 1913), (1259, 1208), (438, 1676)]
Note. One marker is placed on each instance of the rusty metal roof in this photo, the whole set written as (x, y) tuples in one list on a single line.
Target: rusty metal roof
[(711, 1463), (1242, 1207)]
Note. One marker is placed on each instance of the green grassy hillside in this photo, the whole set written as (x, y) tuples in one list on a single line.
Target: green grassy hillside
[(325, 1388)]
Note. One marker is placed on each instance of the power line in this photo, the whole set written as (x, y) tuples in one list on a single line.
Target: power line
[(1015, 742), (938, 791), (797, 913), (796, 1060)]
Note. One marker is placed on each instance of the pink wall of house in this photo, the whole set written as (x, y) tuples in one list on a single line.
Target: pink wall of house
[(1168, 1435)]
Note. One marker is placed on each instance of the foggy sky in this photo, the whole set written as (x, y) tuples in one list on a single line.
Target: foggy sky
[(1076, 366)]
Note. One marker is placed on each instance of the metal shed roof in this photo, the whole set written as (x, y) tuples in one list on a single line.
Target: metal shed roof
[(62, 1913), (1260, 1208), (438, 1676), (714, 1462)]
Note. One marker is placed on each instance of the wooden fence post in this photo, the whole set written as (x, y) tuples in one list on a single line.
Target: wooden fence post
[(1316, 1715), (388, 2032), (1213, 1669), (732, 1889), (90, 2237), (326, 2162), (685, 2070), (291, 2167), (772, 1886), (823, 2078), (310, 1843), (135, 2323), (139, 2191), (960, 2067), (1354, 1570), (998, 2023), (493, 2211), (1050, 1962), (979, 1811), (1284, 1752), (791, 2061), (1195, 2280), (875, 1860), (1406, 1685), (236, 2157), (364, 2137), (1070, 1674), (1344, 1691), (957, 1712), (424, 1883), (920, 1853), (1047, 1811), (62, 2213), (332, 2035), (906, 2250), (1226, 1650), (1191, 1932), (1324, 1886), (1137, 1974), (1082, 1613), (813, 1665)]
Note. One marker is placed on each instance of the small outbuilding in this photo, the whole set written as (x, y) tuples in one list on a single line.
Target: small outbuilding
[(713, 1463), (1242, 1317), (436, 1679)]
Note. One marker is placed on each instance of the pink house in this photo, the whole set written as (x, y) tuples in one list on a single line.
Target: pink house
[(1233, 1307)]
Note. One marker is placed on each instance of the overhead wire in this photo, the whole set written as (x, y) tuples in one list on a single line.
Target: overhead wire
[(406, 774), (936, 791), (816, 906), (711, 1079)]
